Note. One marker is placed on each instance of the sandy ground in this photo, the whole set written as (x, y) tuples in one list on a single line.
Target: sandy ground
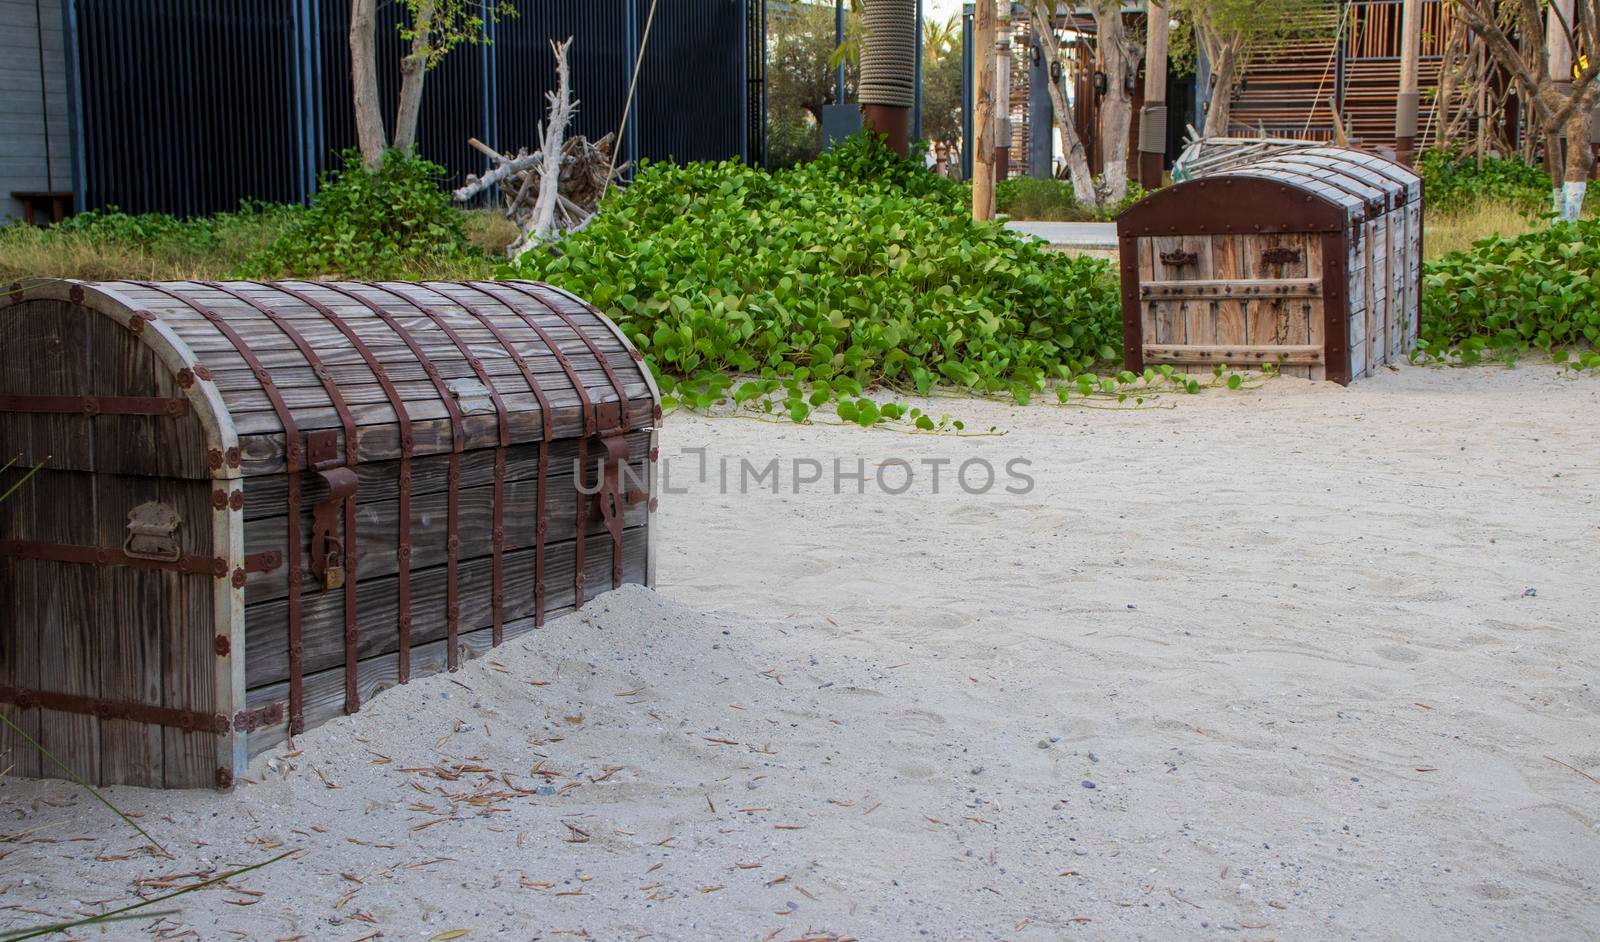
[(1302, 663)]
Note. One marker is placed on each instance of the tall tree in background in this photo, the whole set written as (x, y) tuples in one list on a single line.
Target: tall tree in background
[(1118, 58), (1042, 13), (431, 28), (800, 77), (941, 80), (1542, 48), (1229, 32)]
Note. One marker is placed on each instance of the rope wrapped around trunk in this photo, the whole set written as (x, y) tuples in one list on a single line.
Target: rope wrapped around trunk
[(889, 54)]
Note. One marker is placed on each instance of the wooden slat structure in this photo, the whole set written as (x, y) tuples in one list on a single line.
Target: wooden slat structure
[(1308, 259), (1347, 71), (262, 504)]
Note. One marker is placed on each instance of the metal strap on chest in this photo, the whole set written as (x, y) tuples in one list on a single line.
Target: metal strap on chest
[(458, 442), (589, 425), (611, 500), (547, 430), (292, 461), (503, 426), (407, 443)]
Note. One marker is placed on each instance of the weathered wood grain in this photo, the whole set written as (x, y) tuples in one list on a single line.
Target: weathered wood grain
[(264, 454), (324, 691), (264, 496), (378, 521)]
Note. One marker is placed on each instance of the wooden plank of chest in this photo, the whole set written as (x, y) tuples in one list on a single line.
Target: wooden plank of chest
[(131, 600), (324, 691), (322, 615), (1267, 321), (189, 666), (264, 334), (381, 413), (19, 629), (1227, 265), (1149, 310), (263, 454), (255, 399), (64, 512), (407, 373), (377, 529), (265, 496)]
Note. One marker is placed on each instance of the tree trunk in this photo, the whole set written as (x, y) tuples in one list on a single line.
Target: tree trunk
[(1116, 109), (1219, 114), (413, 73), (983, 32), (1071, 146), (1580, 161), (364, 82)]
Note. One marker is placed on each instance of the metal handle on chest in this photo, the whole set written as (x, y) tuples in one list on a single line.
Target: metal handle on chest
[(150, 533)]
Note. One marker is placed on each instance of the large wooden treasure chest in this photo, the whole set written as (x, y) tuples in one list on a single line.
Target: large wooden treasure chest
[(1309, 259), (261, 504)]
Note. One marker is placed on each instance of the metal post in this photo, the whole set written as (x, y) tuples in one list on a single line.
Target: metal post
[(1405, 114), (916, 109), (838, 40), (630, 142), (69, 13), (1153, 116), (966, 92), (1041, 113), (744, 73)]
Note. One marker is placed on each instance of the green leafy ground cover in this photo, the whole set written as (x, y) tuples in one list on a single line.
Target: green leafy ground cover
[(1506, 297), (857, 270)]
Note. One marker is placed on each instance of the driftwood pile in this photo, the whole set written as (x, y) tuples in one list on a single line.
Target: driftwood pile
[(556, 189)]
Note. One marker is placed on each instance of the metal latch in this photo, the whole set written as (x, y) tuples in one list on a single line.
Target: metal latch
[(327, 550), (150, 533)]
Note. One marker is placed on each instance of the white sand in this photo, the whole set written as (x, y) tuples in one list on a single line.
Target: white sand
[(1286, 635)]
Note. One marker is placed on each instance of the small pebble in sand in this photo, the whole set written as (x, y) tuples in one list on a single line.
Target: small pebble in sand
[(1089, 784)]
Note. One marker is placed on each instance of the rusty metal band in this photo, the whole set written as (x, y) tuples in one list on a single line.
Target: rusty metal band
[(590, 428), (1132, 311), (407, 442), (193, 721), (612, 503), (617, 385), (1336, 307), (110, 556), (503, 423), (457, 443), (547, 424), (352, 690), (291, 460), (96, 405)]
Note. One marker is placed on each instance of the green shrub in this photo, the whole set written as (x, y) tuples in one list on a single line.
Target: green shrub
[(109, 244), (1032, 198), (1507, 296), (1055, 201), (1454, 182), (858, 269), (396, 222)]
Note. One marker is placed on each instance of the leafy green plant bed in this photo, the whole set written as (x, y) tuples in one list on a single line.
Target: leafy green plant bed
[(1506, 297), (857, 270), (1454, 183), (1055, 201)]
